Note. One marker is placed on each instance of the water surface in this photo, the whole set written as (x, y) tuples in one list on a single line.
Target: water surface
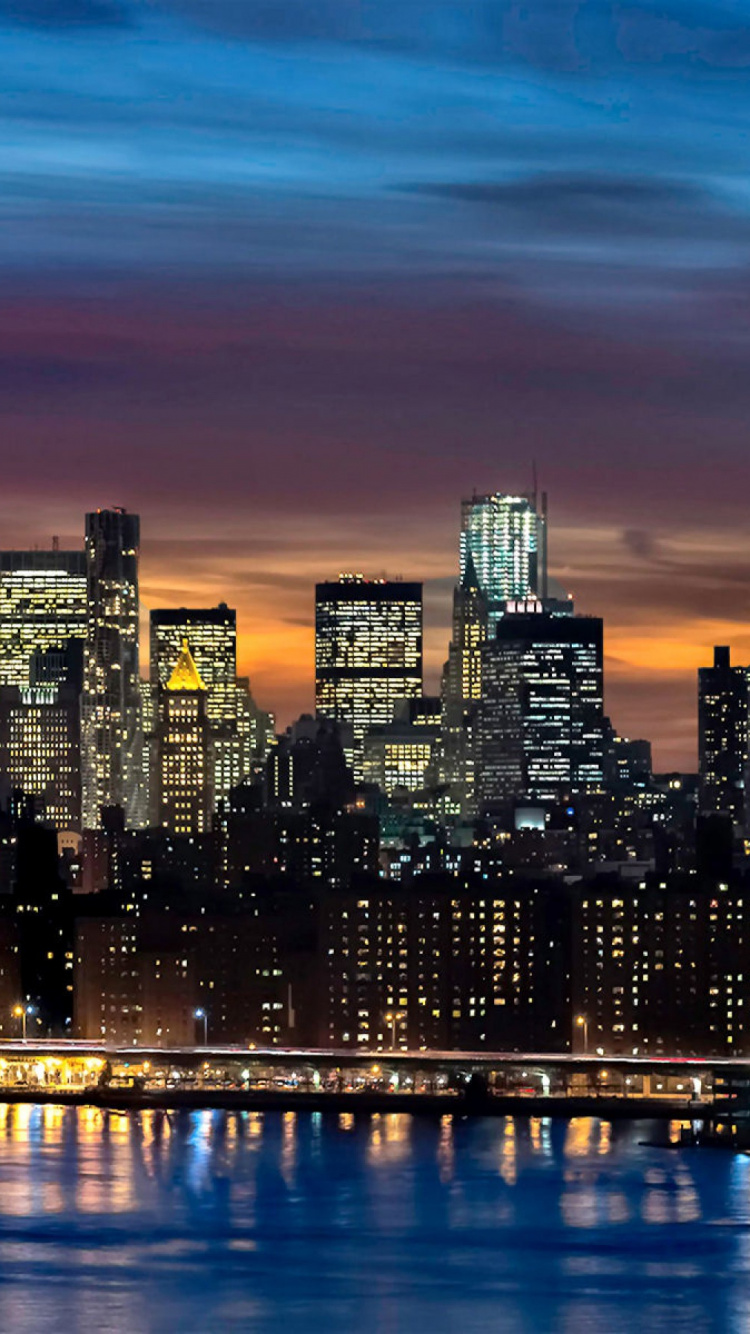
[(206, 1221)]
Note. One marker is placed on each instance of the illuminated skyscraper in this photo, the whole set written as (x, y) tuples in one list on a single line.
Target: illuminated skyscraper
[(184, 764), (238, 727), (111, 706), (505, 538), (40, 737), (723, 737), (42, 605), (368, 651), (211, 634), (540, 722)]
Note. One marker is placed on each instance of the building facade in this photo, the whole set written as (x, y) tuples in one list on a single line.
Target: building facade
[(111, 707), (723, 738), (461, 690), (505, 539), (43, 601), (368, 652), (184, 753), (540, 722)]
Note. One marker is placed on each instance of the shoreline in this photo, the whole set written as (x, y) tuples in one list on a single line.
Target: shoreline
[(365, 1103)]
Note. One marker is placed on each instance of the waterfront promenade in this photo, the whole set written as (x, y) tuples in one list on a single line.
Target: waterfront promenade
[(420, 1083)]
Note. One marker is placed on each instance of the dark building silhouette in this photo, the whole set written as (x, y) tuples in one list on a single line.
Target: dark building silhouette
[(723, 723)]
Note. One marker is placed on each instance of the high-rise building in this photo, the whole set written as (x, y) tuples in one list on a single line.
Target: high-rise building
[(42, 605), (184, 767), (462, 688), (723, 738), (40, 737), (368, 651), (256, 730), (111, 706), (241, 732), (211, 634), (540, 721), (505, 537)]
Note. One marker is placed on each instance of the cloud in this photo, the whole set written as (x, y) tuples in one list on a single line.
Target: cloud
[(640, 543)]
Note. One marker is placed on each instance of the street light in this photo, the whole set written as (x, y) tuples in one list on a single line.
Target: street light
[(22, 1012), (201, 1014), (582, 1022), (393, 1018)]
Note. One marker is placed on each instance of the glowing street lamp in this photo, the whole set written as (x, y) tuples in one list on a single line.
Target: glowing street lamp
[(393, 1018), (582, 1022), (22, 1012), (203, 1015)]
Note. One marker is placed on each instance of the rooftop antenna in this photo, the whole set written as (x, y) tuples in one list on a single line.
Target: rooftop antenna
[(533, 482), (55, 543)]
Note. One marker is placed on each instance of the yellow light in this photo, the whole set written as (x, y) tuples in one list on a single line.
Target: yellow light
[(376, 1069), (18, 1011)]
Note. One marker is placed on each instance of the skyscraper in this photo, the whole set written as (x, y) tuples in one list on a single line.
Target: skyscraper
[(723, 738), (368, 651), (540, 721), (111, 731), (462, 688), (211, 633), (238, 727), (506, 539), (42, 605), (184, 778), (40, 737)]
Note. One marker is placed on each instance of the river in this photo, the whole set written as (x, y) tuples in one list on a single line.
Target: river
[(209, 1221)]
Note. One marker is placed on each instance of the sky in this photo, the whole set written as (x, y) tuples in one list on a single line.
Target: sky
[(290, 277)]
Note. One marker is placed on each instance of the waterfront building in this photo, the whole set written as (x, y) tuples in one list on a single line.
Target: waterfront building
[(640, 984), (446, 965)]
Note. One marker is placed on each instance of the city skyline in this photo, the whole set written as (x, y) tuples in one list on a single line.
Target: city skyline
[(281, 661)]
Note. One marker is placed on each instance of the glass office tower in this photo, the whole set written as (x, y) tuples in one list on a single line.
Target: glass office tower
[(505, 538)]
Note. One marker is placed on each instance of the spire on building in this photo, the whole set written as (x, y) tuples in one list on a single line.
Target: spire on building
[(469, 579), (185, 675)]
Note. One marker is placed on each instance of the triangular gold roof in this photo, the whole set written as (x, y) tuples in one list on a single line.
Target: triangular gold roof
[(185, 675)]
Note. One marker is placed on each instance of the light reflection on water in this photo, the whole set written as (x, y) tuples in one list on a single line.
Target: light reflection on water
[(212, 1221)]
